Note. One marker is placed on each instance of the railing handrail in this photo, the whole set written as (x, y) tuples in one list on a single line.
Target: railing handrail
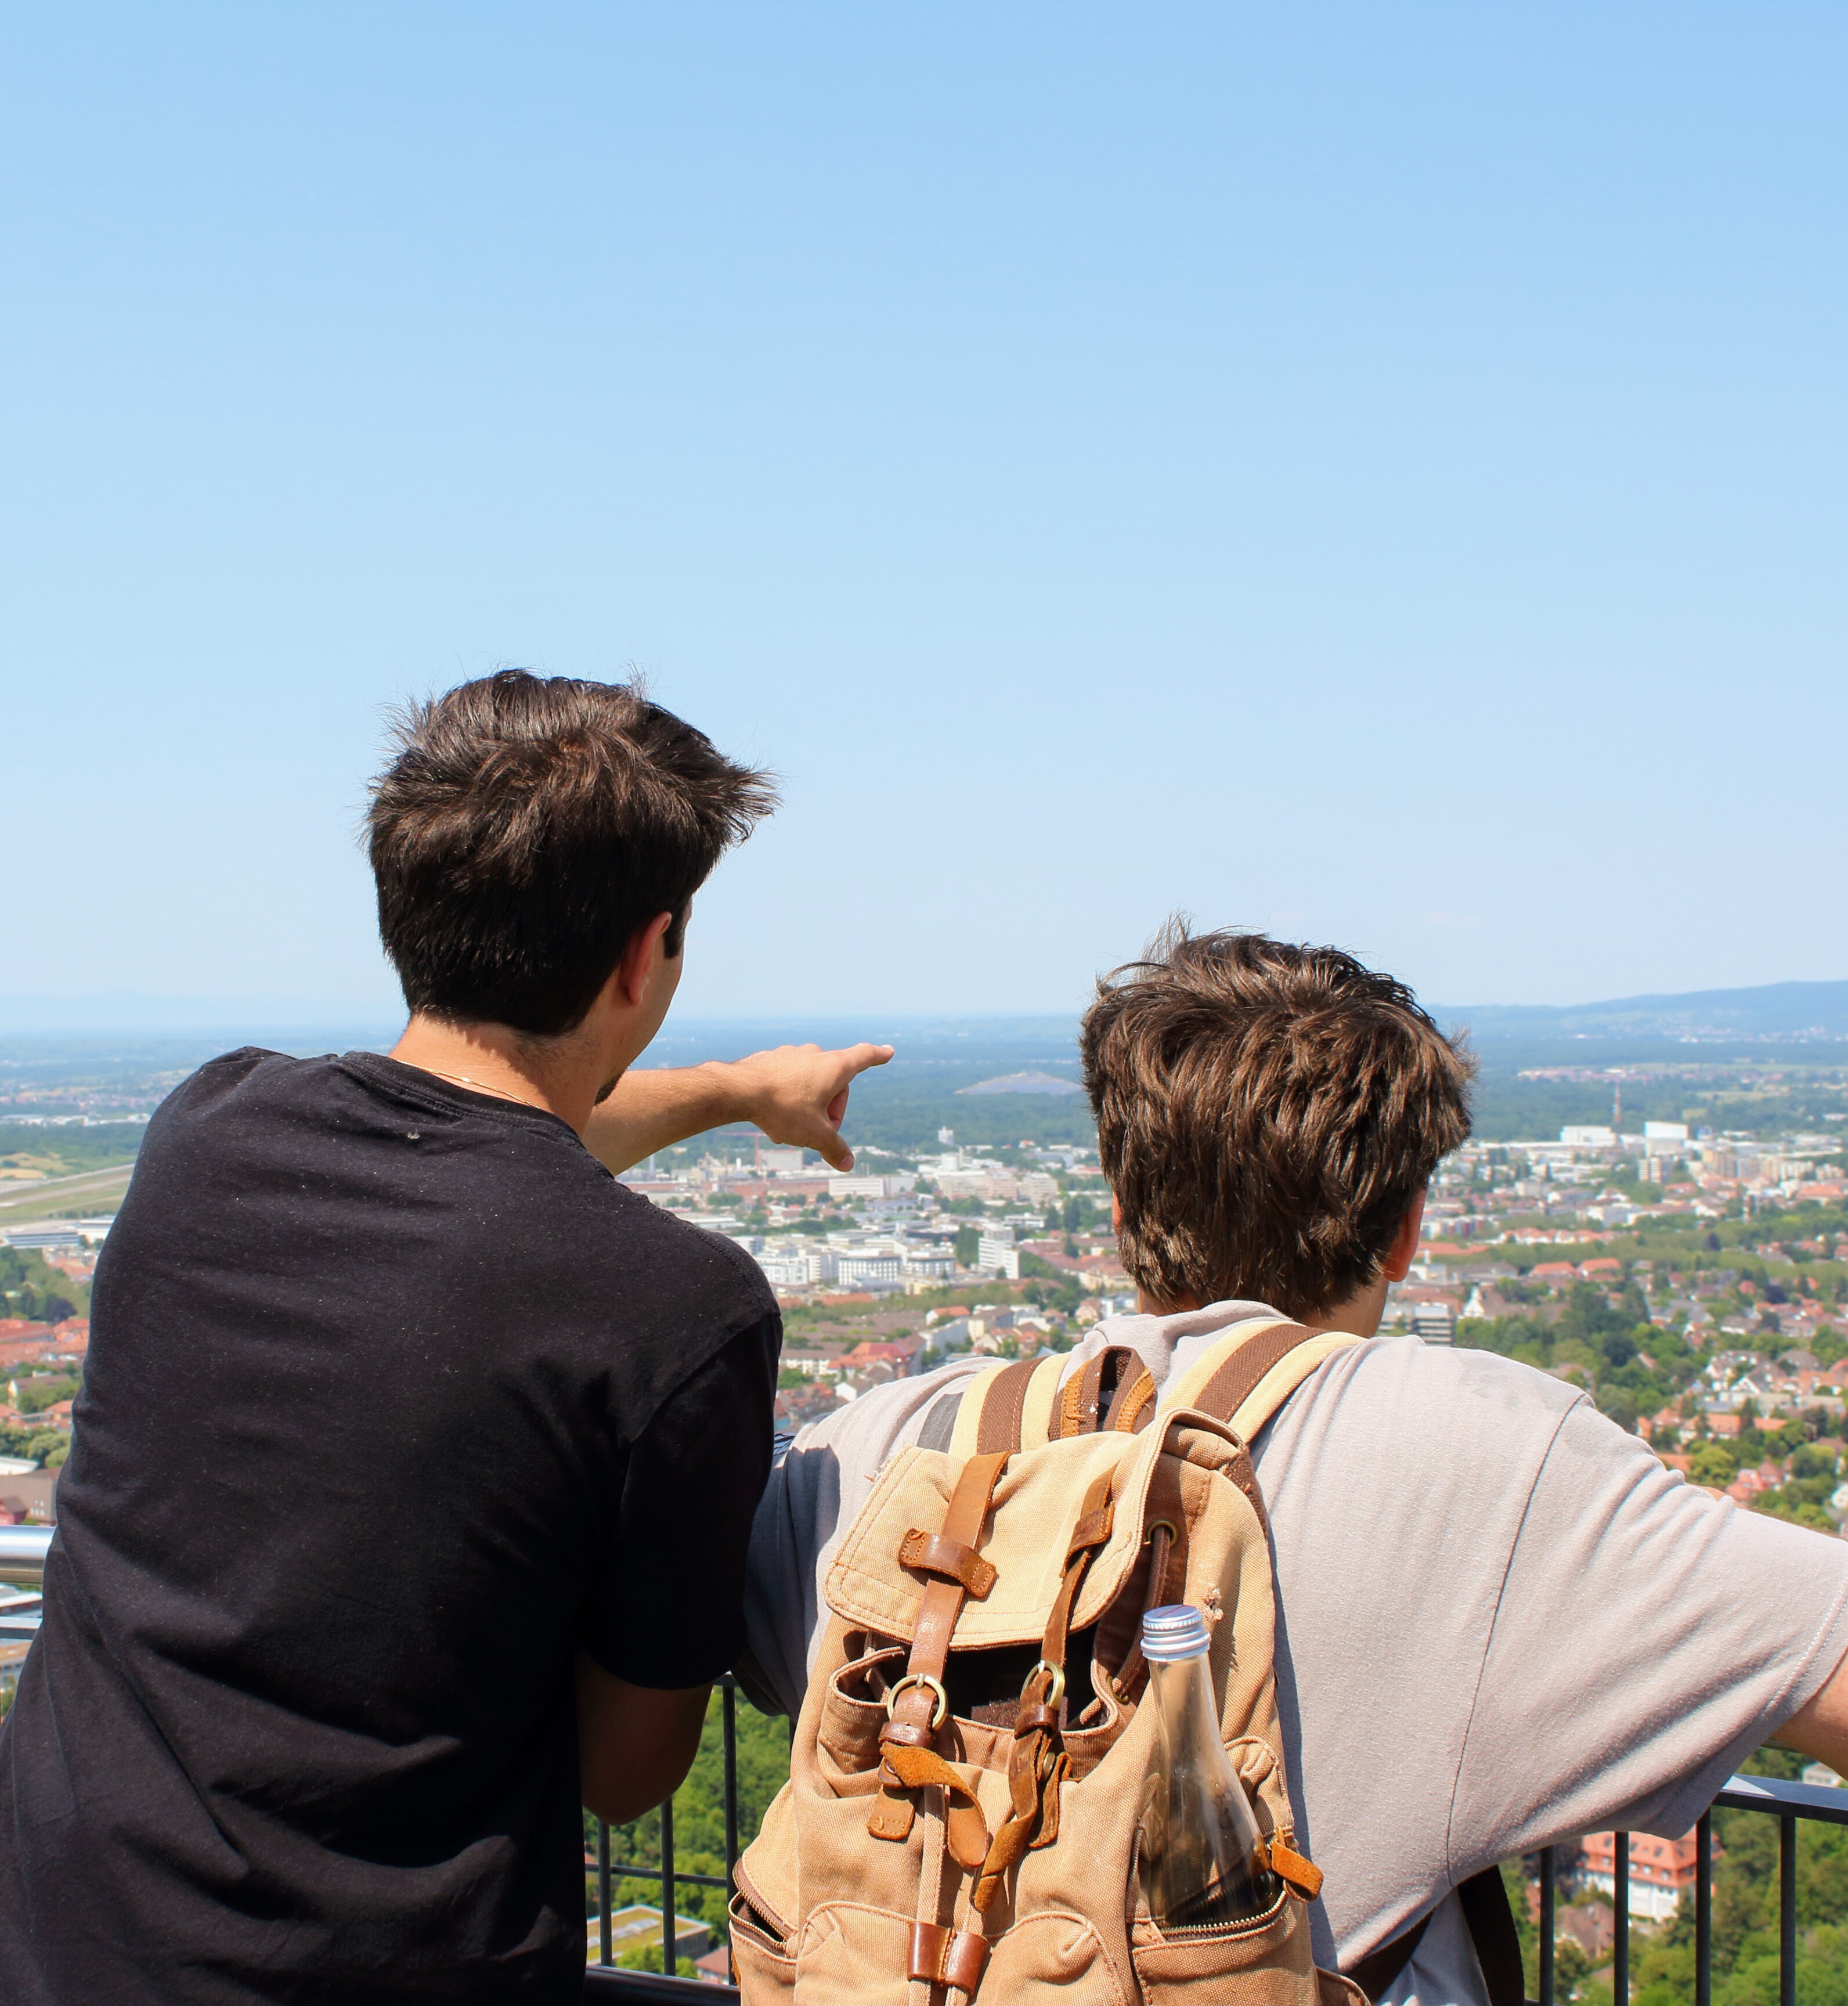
[(1773, 1794), (22, 1551)]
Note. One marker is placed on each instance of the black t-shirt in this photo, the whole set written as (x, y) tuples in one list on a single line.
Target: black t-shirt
[(394, 1398)]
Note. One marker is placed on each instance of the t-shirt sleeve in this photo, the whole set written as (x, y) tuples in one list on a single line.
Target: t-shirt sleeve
[(1648, 1637), (667, 1610)]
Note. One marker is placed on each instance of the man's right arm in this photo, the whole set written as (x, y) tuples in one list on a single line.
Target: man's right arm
[(797, 1094)]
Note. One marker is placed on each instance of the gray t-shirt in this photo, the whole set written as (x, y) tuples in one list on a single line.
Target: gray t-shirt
[(1502, 1620)]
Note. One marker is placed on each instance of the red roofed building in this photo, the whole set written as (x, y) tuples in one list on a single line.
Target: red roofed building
[(903, 1358), (1553, 1271), (1661, 1870)]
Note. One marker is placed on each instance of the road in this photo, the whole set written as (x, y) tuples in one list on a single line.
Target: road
[(20, 1201)]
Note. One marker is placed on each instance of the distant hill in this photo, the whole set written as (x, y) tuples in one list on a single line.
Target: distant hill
[(1024, 1082), (1783, 1012)]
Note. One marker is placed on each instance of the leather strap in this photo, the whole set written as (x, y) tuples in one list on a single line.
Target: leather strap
[(1091, 1531), (1040, 1410), (1484, 1899), (912, 1722), (1133, 1407), (1237, 1380), (1302, 1873), (943, 1957), (937, 1554), (1037, 1763), (1089, 1391), (1006, 1399), (942, 1602)]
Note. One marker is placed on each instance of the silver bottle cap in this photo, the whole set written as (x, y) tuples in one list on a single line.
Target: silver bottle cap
[(1178, 1631)]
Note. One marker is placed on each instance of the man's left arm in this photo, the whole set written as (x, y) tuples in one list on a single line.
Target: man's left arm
[(664, 1617), (796, 1094)]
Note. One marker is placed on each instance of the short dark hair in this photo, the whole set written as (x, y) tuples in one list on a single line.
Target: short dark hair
[(527, 827), (1267, 1115)]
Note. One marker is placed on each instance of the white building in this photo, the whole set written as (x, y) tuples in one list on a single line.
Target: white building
[(893, 1186), (995, 1252), (855, 1270)]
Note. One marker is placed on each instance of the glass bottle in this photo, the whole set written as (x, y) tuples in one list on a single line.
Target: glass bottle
[(1203, 1860)]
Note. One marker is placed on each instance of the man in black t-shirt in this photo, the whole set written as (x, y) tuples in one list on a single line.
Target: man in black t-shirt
[(415, 1463)]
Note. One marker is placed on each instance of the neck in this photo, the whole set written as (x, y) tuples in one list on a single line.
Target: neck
[(1358, 1316), (563, 1076)]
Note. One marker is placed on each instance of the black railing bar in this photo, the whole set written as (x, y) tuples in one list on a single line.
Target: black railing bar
[(1703, 1911), (730, 1740), (650, 1988), (669, 1935), (603, 1894), (1786, 1910), (621, 1871), (1772, 1794), (1619, 1947), (1548, 1881)]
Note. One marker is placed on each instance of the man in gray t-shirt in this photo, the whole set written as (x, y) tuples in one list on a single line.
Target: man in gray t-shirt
[(1502, 1620)]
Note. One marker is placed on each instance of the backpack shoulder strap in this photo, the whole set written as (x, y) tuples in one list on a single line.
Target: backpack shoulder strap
[(1038, 1410), (988, 1420), (1022, 1405), (1247, 1375), (1483, 1898)]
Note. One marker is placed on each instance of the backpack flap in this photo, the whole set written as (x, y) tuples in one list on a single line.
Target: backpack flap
[(1037, 1501)]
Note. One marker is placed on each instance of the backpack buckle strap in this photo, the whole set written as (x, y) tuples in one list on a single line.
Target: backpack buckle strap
[(949, 1559), (1037, 1763), (965, 1831), (918, 1702), (1093, 1529), (943, 1957), (1296, 1869)]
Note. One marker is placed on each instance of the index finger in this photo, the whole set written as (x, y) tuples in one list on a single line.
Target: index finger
[(855, 1059)]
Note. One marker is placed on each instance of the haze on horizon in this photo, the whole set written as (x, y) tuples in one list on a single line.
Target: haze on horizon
[(1377, 475)]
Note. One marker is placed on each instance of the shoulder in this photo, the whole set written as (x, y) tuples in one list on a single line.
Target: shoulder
[(698, 1255), (1404, 1378), (1397, 1411)]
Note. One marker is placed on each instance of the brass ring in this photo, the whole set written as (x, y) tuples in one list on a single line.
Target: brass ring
[(1160, 1525), (1058, 1682), (921, 1679)]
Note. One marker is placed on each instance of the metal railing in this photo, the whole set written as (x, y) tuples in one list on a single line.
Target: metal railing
[(22, 1551), (1788, 1803), (603, 1978)]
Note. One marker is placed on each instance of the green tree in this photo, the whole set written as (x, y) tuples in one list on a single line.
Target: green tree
[(1714, 1463)]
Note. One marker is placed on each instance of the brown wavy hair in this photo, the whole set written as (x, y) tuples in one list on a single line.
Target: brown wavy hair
[(1267, 1114), (528, 827)]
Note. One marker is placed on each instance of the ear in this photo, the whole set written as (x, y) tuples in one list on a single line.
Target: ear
[(1400, 1255), (634, 974)]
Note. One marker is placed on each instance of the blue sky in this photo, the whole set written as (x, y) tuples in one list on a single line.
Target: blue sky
[(1375, 472)]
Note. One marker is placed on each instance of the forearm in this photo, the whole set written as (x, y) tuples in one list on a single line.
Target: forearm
[(653, 1109), (796, 1095), (1820, 1730)]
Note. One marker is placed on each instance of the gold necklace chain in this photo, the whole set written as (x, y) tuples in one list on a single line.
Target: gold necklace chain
[(498, 1093)]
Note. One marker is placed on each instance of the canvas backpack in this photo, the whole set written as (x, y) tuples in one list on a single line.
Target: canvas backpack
[(968, 1773)]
